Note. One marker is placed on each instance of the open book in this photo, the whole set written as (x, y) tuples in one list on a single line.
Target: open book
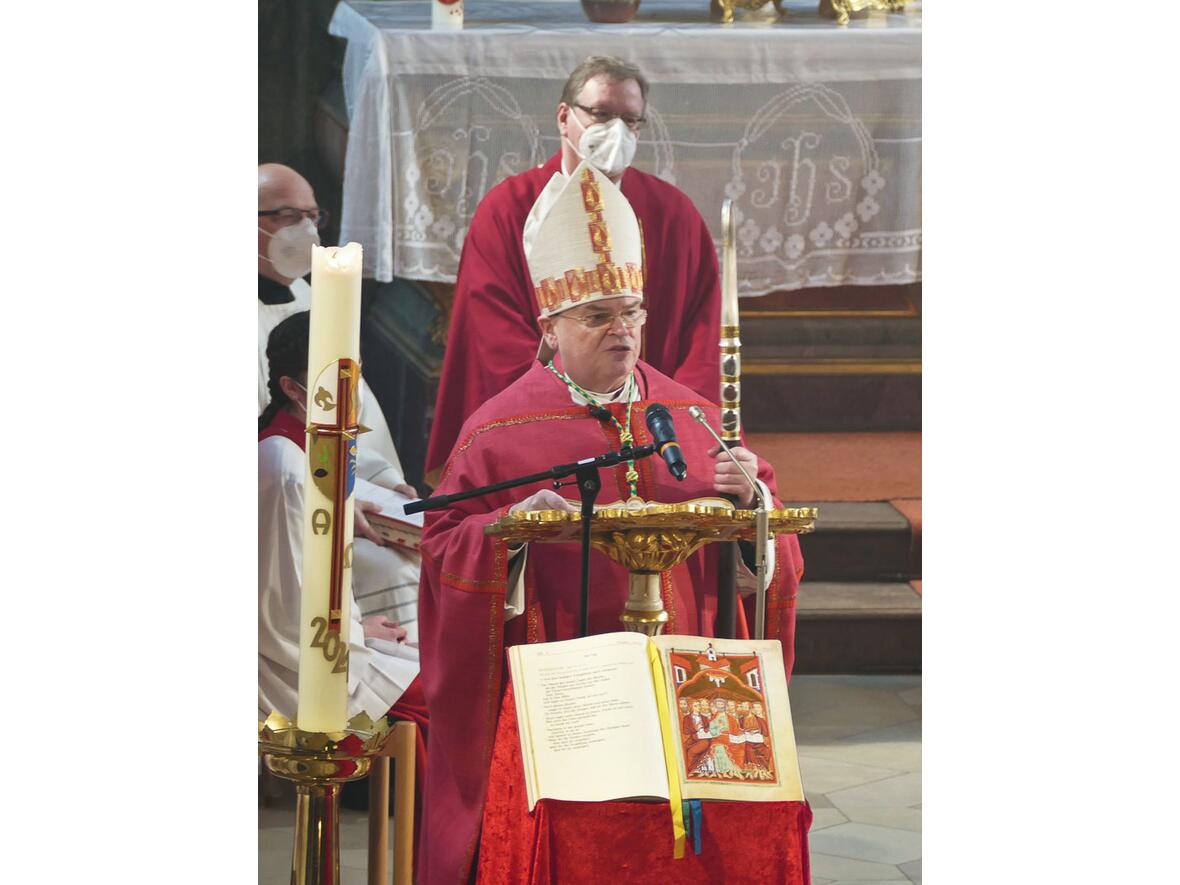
[(392, 523), (614, 716)]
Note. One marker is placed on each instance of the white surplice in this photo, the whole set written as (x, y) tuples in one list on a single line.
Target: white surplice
[(375, 679)]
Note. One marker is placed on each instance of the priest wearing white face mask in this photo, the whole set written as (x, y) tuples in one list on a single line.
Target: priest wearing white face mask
[(494, 334), (288, 226), (601, 125)]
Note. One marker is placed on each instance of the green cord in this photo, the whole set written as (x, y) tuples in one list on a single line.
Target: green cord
[(625, 436)]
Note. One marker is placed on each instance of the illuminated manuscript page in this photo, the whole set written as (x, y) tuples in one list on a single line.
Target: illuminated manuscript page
[(735, 658)]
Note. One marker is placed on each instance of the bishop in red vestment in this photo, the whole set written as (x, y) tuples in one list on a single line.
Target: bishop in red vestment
[(494, 334), (477, 596)]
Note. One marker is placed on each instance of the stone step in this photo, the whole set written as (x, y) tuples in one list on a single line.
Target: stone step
[(858, 541), (770, 339), (832, 396), (841, 359), (868, 627)]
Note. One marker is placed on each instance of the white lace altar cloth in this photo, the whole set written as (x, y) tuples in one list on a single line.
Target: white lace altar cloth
[(813, 129)]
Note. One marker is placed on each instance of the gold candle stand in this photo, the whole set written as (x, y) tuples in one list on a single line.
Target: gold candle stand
[(318, 763), (649, 538)]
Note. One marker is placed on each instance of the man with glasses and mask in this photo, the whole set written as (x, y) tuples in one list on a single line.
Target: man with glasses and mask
[(494, 332), (289, 220), (587, 395)]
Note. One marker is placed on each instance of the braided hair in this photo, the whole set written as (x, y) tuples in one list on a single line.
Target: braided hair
[(286, 354)]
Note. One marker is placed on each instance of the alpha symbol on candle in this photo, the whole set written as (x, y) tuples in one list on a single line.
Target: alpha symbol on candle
[(321, 521), (324, 400)]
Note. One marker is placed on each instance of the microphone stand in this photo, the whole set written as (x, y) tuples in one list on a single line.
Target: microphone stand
[(589, 482), (761, 532), (727, 559)]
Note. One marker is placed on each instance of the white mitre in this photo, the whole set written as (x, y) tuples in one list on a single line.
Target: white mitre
[(582, 242)]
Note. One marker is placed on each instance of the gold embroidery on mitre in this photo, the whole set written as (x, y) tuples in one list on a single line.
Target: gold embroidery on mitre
[(579, 285), (591, 193), (600, 237), (606, 278)]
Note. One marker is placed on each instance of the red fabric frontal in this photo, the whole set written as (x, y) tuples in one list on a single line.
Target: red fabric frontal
[(594, 842)]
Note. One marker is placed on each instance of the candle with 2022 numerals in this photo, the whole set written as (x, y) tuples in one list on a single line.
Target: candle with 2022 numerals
[(333, 379)]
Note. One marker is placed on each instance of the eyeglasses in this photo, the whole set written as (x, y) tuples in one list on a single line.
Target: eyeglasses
[(600, 115), (290, 215), (631, 317)]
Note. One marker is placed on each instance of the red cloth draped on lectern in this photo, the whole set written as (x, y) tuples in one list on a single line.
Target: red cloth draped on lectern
[(618, 842)]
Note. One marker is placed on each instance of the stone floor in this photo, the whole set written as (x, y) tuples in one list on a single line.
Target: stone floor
[(859, 740), (274, 845), (860, 751)]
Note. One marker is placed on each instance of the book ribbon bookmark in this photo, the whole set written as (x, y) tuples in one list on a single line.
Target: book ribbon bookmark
[(692, 819), (670, 756)]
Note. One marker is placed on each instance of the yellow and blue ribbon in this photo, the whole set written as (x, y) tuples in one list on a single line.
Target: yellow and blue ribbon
[(670, 738)]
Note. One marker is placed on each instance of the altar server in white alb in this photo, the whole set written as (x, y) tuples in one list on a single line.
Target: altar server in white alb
[(288, 226), (383, 661)]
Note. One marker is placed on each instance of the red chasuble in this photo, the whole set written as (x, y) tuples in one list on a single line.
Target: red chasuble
[(494, 334), (529, 427)]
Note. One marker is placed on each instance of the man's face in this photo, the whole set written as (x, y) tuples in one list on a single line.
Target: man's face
[(605, 98), (757, 709), (291, 192), (683, 705), (719, 705), (744, 708), (599, 357)]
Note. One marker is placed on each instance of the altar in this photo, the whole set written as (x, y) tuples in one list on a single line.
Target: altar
[(813, 129)]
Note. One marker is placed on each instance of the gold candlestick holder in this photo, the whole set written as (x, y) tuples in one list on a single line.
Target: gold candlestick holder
[(842, 10), (648, 538), (726, 8), (318, 763)]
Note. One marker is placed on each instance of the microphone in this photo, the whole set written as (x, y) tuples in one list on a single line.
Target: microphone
[(659, 424)]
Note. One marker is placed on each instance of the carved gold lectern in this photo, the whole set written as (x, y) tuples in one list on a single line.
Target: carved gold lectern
[(648, 538)]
